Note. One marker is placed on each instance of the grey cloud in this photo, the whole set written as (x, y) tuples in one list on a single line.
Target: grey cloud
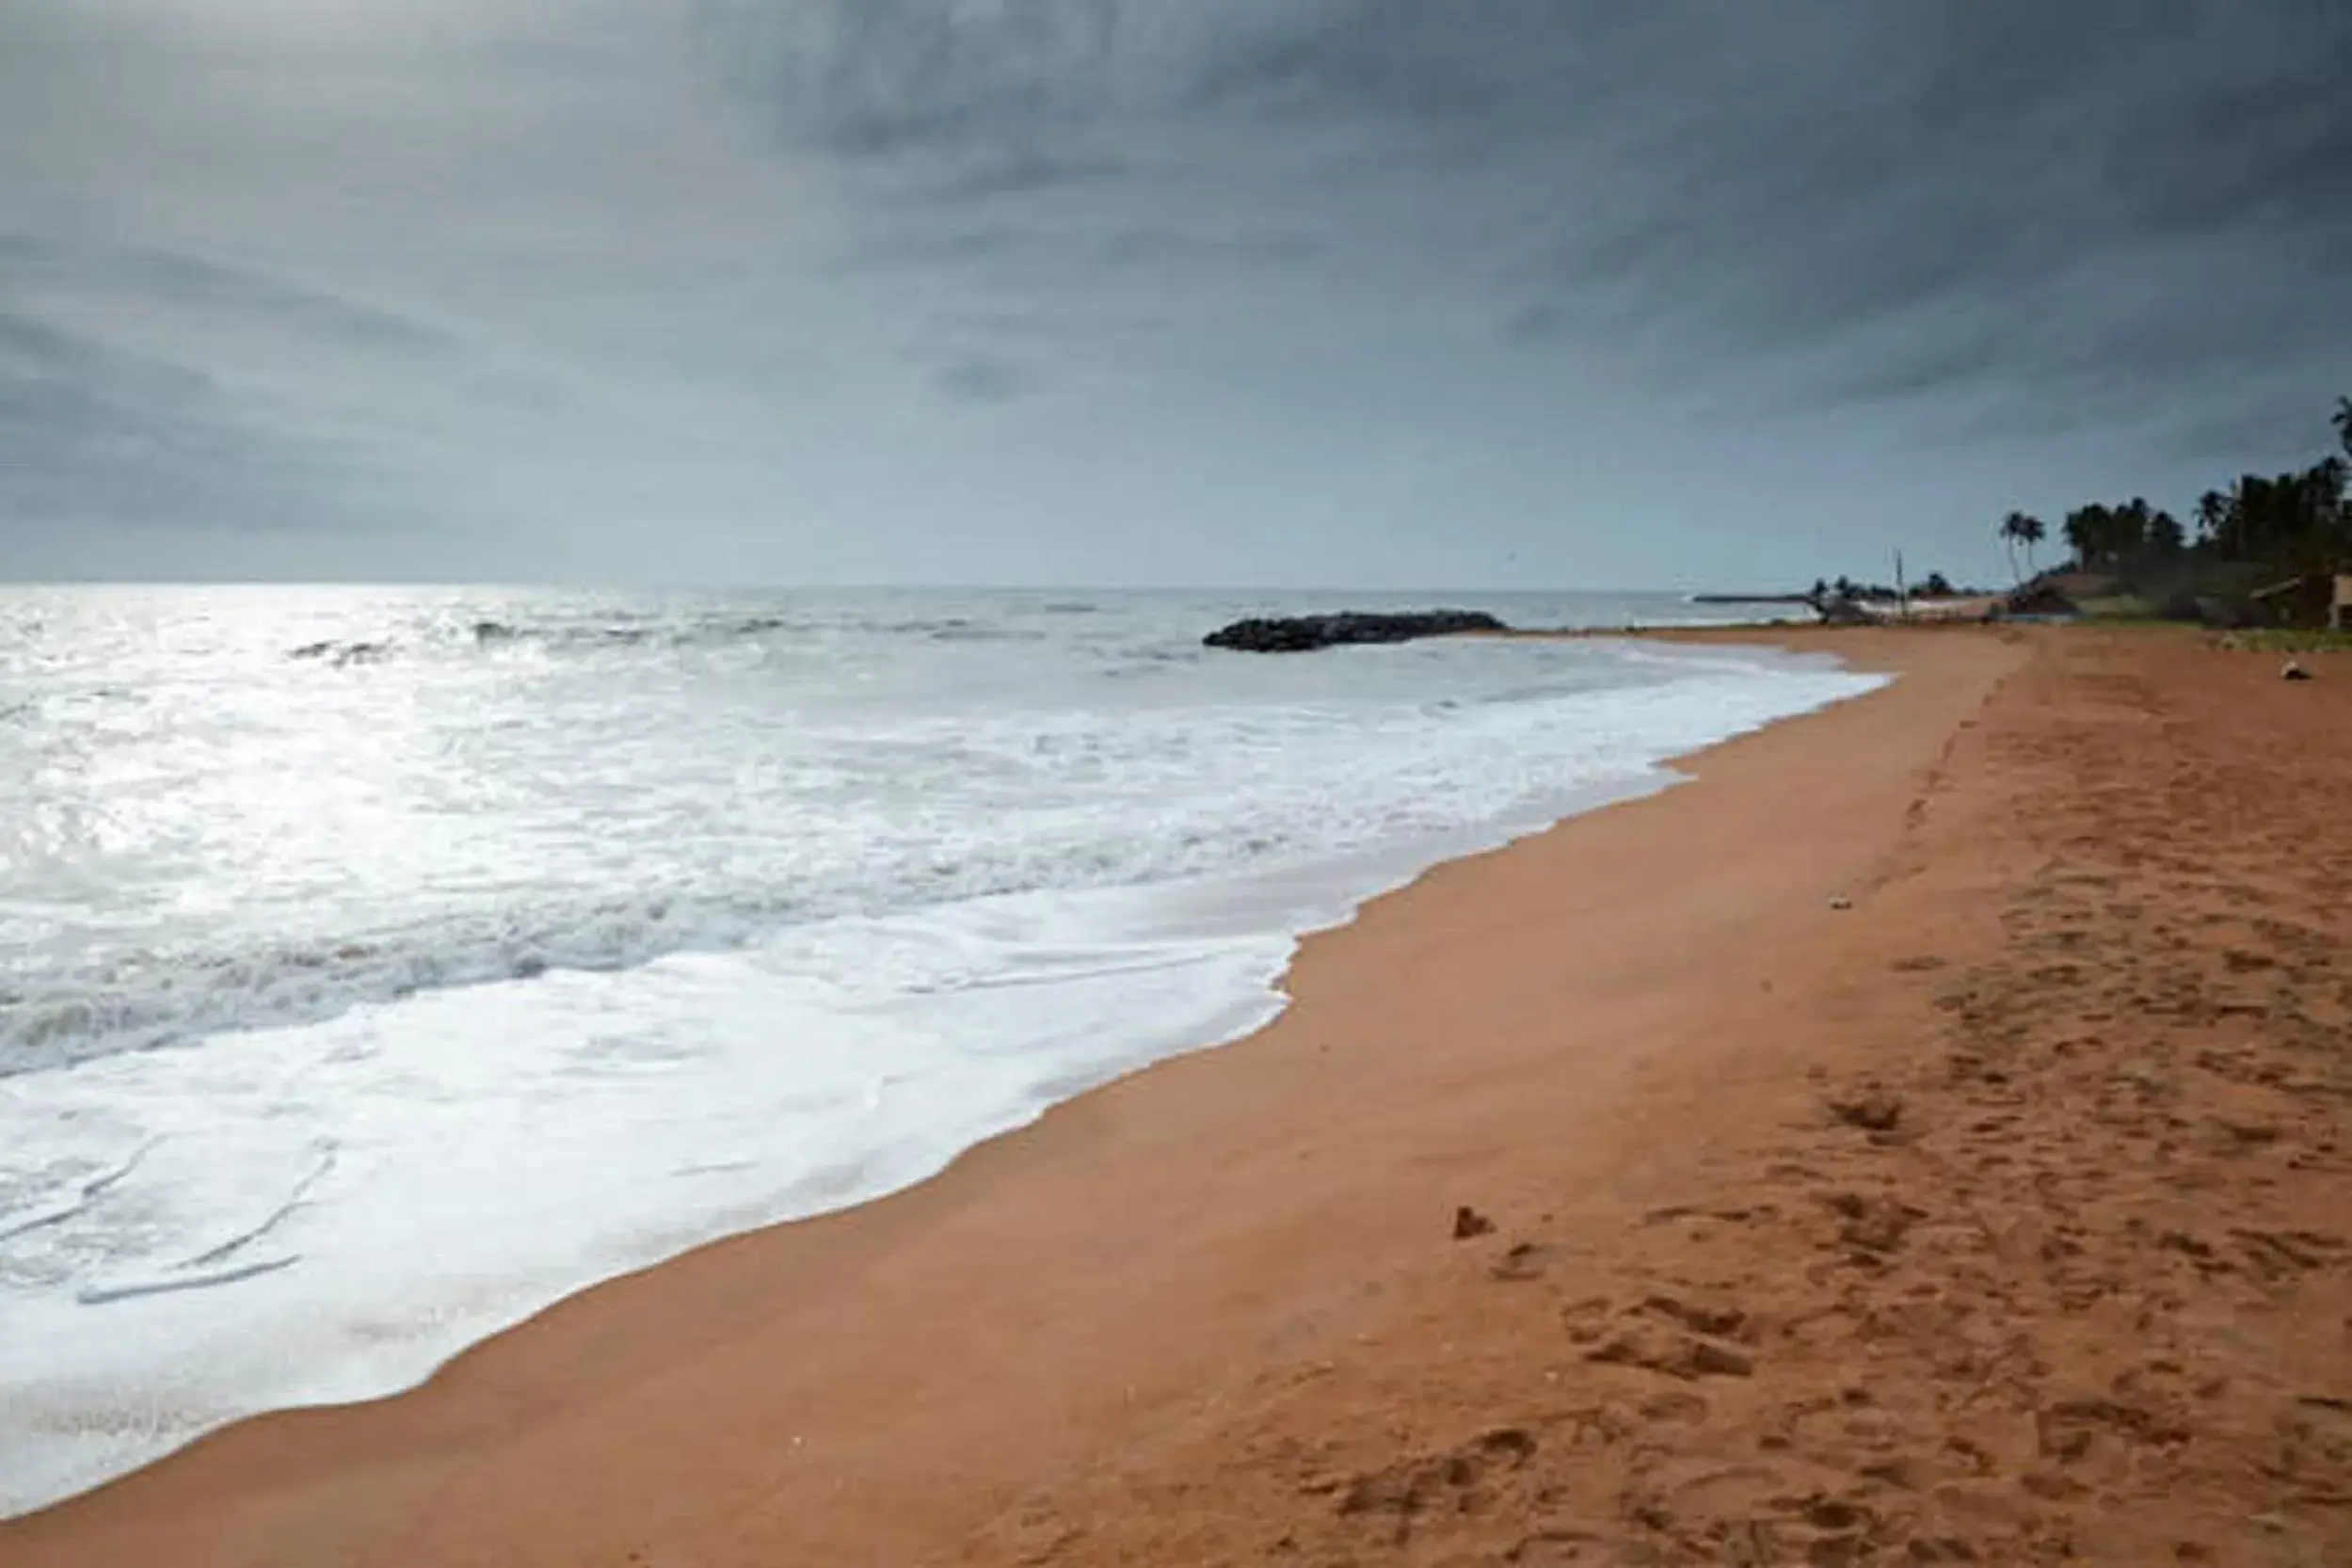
[(1958, 354), (205, 284), (1158, 245), (35, 353), (99, 427), (1457, 77), (985, 379), (1019, 172), (2268, 427), (1533, 322), (1525, 250), (1996, 180), (880, 78), (194, 282), (94, 434), (1711, 184)]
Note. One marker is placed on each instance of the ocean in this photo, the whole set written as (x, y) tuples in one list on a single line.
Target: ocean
[(378, 966)]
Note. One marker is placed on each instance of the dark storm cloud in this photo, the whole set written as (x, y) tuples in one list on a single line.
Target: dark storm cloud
[(1888, 202), (877, 78), (984, 100), (1266, 279), (2099, 195)]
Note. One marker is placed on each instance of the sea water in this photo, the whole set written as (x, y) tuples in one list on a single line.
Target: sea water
[(378, 966)]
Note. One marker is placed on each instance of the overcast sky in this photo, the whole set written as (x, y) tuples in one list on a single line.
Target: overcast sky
[(1347, 293)]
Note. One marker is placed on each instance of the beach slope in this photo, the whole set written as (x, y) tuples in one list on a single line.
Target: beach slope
[(1922, 1134)]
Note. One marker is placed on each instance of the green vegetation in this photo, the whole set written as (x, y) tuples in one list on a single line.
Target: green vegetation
[(2105, 537), (2264, 551), (1934, 586)]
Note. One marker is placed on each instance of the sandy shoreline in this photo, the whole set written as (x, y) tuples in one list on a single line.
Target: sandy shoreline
[(1218, 1307)]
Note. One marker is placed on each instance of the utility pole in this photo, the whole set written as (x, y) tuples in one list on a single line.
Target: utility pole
[(1902, 590)]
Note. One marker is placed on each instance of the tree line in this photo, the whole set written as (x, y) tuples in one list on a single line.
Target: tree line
[(1934, 586), (2296, 522)]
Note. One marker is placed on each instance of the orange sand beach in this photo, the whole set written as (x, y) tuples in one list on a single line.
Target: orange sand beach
[(1923, 1138)]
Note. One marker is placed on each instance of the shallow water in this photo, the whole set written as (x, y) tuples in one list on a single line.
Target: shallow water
[(378, 965)]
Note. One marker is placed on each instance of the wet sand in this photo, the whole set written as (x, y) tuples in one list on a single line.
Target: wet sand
[(1922, 1137)]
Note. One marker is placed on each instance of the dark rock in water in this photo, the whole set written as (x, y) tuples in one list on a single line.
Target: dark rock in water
[(342, 653), (493, 631), (1300, 633)]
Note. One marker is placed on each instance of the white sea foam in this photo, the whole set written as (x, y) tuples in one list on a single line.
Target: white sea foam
[(350, 1012)]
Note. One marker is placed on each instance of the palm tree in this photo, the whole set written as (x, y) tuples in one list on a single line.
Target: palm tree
[(2213, 510), (2019, 529), (2103, 536)]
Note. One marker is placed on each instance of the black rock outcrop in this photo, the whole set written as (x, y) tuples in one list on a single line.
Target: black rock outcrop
[(2039, 597), (1300, 633)]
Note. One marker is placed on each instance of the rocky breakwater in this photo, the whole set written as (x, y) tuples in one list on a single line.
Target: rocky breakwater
[(1301, 634)]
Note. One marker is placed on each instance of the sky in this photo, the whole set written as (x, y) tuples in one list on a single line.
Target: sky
[(1377, 294)]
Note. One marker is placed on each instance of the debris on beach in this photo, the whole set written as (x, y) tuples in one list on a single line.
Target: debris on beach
[(1877, 1111)]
